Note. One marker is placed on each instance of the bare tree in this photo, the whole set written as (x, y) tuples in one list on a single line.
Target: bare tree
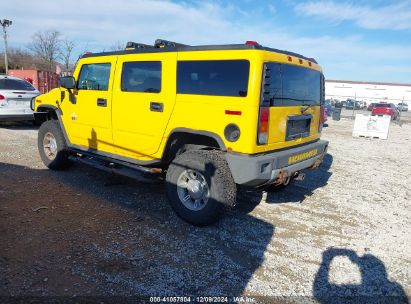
[(23, 59), (117, 46), (66, 51), (47, 46)]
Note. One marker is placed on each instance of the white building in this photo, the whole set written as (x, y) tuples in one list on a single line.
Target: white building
[(368, 91)]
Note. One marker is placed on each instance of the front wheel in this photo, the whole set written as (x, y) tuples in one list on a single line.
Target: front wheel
[(52, 146), (199, 186)]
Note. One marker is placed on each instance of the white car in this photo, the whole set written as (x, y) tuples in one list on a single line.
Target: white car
[(402, 107), (15, 99)]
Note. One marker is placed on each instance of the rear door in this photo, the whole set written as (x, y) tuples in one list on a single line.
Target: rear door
[(144, 96), (294, 95)]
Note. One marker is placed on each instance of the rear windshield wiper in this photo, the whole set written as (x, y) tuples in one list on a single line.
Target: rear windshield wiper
[(306, 107)]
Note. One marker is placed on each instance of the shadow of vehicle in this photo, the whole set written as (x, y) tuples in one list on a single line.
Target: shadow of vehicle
[(296, 192), (374, 287), (86, 232)]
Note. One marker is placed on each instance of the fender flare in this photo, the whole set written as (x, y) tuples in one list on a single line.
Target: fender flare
[(169, 151), (212, 135)]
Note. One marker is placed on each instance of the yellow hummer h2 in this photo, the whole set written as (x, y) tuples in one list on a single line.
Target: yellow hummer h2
[(204, 118)]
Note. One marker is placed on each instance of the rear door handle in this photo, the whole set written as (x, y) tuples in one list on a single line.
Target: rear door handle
[(101, 102), (156, 106)]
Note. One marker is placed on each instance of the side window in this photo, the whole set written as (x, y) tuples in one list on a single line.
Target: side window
[(94, 77), (213, 77), (141, 76), (275, 81)]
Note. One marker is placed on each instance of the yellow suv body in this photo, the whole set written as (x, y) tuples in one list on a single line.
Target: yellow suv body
[(250, 110)]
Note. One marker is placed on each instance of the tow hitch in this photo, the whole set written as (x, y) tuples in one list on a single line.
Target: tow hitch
[(299, 176), (318, 162)]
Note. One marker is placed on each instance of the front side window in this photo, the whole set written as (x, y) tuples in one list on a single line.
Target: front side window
[(213, 77), (141, 76), (94, 77), (290, 85), (15, 84)]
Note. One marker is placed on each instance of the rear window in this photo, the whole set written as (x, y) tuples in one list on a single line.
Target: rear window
[(213, 77), (15, 84), (289, 85), (383, 105)]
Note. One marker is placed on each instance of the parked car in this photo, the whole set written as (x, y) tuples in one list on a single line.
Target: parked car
[(328, 108), (15, 99), (402, 107), (353, 105), (386, 109), (371, 106)]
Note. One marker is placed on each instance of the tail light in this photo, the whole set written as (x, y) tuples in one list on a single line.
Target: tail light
[(263, 121), (249, 42), (1, 97), (323, 118)]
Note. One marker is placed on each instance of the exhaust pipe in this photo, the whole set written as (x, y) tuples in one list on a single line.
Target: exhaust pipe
[(299, 176)]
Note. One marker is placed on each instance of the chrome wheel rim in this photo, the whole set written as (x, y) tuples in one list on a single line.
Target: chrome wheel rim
[(193, 190), (50, 146)]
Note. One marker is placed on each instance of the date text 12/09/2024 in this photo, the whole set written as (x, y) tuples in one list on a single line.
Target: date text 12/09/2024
[(183, 299)]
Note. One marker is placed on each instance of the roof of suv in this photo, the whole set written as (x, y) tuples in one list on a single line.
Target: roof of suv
[(225, 47)]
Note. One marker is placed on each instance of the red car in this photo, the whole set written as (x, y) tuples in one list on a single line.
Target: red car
[(371, 106), (386, 109)]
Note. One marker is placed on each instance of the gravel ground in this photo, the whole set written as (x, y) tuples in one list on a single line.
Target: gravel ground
[(343, 231)]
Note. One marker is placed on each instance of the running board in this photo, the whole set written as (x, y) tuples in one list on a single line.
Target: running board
[(142, 174)]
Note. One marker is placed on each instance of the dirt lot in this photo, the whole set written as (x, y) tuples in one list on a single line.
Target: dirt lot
[(344, 231)]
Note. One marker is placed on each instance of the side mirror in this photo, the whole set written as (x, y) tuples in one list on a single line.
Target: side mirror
[(68, 82)]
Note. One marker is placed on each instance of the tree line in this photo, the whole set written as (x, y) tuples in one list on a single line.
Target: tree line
[(46, 50)]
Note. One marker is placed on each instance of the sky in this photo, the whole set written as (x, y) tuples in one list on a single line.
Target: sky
[(352, 40)]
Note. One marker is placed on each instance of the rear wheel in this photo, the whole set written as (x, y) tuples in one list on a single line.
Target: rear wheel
[(52, 146), (199, 186)]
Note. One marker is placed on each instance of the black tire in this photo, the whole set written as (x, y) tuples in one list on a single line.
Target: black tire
[(59, 159), (222, 189)]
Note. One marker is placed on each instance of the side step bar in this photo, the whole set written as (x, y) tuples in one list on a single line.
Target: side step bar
[(140, 173)]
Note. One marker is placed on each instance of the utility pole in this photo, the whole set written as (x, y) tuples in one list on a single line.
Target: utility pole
[(5, 23), (354, 104)]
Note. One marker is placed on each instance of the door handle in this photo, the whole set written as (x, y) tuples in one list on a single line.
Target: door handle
[(101, 102), (156, 106)]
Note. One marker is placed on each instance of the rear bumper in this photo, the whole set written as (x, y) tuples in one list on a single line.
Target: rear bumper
[(257, 170), (382, 113)]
